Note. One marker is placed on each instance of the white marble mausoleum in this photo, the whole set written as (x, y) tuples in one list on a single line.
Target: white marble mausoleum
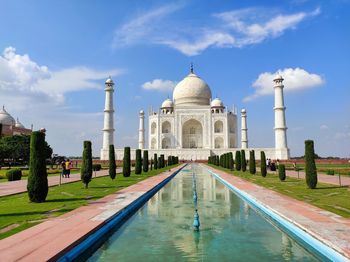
[(192, 125)]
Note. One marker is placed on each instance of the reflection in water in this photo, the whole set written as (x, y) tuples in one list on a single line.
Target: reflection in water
[(230, 230)]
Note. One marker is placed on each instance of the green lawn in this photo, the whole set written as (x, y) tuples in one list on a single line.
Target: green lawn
[(329, 197), (16, 211)]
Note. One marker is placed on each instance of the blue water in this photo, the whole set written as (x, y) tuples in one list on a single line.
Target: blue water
[(230, 229)]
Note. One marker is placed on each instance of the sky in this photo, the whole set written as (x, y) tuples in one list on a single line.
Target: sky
[(55, 56)]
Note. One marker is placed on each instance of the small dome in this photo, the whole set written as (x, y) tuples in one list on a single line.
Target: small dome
[(167, 103), (109, 81), (192, 90), (217, 103), (142, 112), (19, 124), (6, 118), (243, 111)]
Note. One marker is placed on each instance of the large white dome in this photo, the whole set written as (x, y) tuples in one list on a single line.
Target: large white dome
[(6, 118), (192, 90)]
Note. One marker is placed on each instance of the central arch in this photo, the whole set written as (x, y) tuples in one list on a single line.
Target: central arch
[(192, 134)]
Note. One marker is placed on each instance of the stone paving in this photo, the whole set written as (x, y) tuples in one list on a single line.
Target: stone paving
[(20, 186), (323, 178), (46, 241), (329, 228)]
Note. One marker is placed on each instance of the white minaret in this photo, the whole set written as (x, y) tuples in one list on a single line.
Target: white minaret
[(244, 129), (108, 124), (282, 151), (142, 130)]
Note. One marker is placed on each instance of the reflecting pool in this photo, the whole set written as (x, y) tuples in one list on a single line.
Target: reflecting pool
[(230, 230)]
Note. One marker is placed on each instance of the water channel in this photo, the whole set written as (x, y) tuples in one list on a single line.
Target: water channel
[(230, 229)]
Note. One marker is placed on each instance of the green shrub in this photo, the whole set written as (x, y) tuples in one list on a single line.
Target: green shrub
[(96, 167), (330, 172), (112, 165), (263, 164), (282, 172), (126, 162), (231, 163), (14, 174), (37, 180), (310, 166), (243, 161), (155, 161), (159, 162), (238, 160), (138, 163), (252, 166), (145, 161), (162, 161), (86, 165), (151, 164)]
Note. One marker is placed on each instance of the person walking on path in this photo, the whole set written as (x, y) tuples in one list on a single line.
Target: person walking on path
[(68, 167), (63, 166)]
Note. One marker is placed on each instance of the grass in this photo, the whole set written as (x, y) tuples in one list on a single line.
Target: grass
[(326, 196), (16, 211)]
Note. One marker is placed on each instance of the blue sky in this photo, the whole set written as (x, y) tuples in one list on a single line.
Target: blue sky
[(55, 56)]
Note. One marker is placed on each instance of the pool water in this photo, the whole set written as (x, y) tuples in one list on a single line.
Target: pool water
[(230, 229)]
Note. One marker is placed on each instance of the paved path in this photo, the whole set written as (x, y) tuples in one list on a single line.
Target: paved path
[(55, 236), (329, 228), (20, 186), (323, 178)]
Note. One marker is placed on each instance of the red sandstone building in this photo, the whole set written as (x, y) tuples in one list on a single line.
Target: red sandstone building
[(10, 126)]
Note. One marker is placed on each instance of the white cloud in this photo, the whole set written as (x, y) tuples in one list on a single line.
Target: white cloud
[(159, 85), (22, 77), (295, 79), (236, 28), (324, 127), (37, 96)]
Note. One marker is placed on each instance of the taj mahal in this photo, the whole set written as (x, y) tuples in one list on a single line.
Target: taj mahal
[(192, 125)]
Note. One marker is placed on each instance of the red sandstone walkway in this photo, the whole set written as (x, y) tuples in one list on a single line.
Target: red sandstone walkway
[(54, 236), (323, 178), (329, 228), (15, 187)]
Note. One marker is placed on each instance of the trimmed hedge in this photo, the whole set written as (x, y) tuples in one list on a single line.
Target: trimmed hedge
[(310, 166), (126, 162), (96, 167), (37, 186), (282, 172), (252, 167), (238, 160), (86, 165), (243, 161), (263, 164), (112, 165), (231, 163), (138, 162), (14, 174), (155, 161), (145, 161)]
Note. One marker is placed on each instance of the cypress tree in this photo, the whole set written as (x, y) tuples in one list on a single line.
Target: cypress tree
[(86, 165), (310, 165), (282, 172), (145, 161), (159, 162), (155, 161), (112, 165), (238, 160), (231, 164), (243, 161), (37, 180), (138, 164), (163, 161), (173, 160), (225, 160), (252, 167), (126, 162), (263, 164), (217, 160)]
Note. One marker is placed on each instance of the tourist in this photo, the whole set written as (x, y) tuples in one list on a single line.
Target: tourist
[(68, 167), (63, 166)]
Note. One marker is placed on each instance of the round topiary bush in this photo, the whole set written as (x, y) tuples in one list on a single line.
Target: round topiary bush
[(282, 172), (96, 167), (14, 174)]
